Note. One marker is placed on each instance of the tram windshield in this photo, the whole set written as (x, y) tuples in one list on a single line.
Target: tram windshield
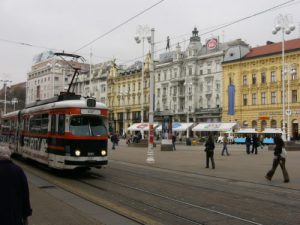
[(87, 126)]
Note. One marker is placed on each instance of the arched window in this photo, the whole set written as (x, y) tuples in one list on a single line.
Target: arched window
[(273, 124), (245, 124), (263, 124), (254, 124)]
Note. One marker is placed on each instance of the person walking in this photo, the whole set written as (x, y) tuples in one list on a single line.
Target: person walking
[(254, 144), (225, 142), (209, 149), (173, 141), (114, 140), (14, 192), (280, 159), (248, 144)]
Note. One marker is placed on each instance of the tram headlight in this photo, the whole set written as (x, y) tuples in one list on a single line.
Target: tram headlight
[(77, 152), (103, 152)]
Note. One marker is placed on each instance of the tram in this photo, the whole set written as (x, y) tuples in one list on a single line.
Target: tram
[(65, 132), (68, 133)]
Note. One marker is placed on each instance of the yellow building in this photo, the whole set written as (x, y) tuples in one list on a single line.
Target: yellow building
[(256, 78), (124, 96)]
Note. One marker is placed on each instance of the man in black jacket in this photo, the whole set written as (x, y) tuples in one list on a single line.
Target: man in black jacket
[(14, 193)]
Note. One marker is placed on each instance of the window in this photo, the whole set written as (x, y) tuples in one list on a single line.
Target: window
[(190, 71), (263, 98), (273, 97), (253, 78), (273, 76), (209, 71), (254, 99), (245, 97), (294, 74), (87, 126), (44, 124), (263, 78), (245, 82), (294, 96), (56, 78), (61, 124)]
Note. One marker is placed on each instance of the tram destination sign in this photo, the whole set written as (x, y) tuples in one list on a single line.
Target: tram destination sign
[(90, 111)]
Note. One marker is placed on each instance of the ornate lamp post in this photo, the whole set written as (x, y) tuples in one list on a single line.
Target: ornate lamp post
[(5, 82), (142, 34), (283, 24), (188, 85), (150, 152)]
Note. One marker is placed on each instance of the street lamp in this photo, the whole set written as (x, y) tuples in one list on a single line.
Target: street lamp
[(150, 152), (14, 101), (124, 93), (292, 72), (283, 24), (5, 86), (188, 85), (142, 34)]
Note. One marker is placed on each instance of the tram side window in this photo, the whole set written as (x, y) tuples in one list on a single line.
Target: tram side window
[(26, 124), (61, 124), (44, 123), (53, 124), (6, 126), (35, 124)]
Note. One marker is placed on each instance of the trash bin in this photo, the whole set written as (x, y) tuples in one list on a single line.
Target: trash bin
[(188, 141)]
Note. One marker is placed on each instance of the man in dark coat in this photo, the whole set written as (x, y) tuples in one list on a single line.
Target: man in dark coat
[(14, 193)]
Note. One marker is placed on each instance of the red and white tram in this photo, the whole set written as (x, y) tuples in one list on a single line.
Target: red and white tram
[(65, 132)]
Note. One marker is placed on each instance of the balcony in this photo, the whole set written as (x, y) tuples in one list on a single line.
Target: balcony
[(208, 110)]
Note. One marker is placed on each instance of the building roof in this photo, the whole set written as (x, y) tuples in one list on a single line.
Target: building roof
[(274, 48)]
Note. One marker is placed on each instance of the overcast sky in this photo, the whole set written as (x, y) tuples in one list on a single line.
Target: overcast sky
[(70, 24)]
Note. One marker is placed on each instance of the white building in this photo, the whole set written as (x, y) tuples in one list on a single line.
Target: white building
[(49, 76), (188, 83)]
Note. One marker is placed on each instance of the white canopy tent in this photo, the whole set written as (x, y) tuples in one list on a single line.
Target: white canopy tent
[(176, 126), (272, 131), (247, 131), (141, 126), (221, 127)]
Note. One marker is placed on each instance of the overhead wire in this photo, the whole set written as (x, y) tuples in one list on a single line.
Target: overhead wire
[(224, 25), (120, 25)]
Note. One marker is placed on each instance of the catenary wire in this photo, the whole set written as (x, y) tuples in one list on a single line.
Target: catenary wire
[(120, 25)]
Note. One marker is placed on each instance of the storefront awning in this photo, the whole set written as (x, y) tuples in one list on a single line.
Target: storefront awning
[(176, 126), (222, 127), (141, 126), (272, 131)]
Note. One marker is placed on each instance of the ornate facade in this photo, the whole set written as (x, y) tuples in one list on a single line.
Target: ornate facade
[(257, 79), (188, 83), (124, 96)]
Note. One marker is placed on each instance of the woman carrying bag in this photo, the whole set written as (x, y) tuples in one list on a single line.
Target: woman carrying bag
[(279, 158), (209, 149)]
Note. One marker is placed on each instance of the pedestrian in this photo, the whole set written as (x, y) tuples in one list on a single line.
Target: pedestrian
[(14, 192), (173, 141), (225, 142), (254, 144), (209, 149), (279, 158), (114, 140), (248, 144)]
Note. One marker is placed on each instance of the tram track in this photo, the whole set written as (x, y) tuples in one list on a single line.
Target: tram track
[(111, 188), (168, 198), (266, 190)]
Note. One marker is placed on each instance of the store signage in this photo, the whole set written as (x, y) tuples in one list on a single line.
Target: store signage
[(212, 43)]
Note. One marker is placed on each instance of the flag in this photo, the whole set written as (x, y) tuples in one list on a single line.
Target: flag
[(231, 94)]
